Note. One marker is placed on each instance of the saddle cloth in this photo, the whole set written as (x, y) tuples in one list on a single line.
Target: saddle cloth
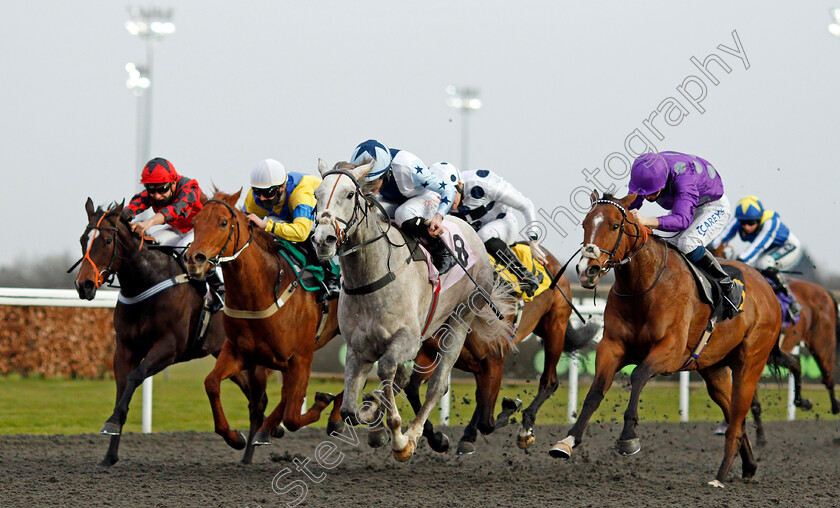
[(523, 252), (454, 238), (784, 303)]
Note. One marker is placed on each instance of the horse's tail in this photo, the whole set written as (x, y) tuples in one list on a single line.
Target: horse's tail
[(836, 322), (580, 336), (496, 333)]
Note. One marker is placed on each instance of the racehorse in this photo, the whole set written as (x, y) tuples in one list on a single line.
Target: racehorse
[(269, 320), (152, 333), (654, 318), (819, 329), (385, 317), (547, 315)]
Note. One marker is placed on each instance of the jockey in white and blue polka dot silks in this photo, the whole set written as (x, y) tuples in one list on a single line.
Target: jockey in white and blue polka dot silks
[(487, 203), (411, 194), (692, 189), (772, 247)]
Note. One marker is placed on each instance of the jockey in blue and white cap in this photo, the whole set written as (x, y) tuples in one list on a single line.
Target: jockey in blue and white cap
[(411, 195), (772, 246), (486, 201)]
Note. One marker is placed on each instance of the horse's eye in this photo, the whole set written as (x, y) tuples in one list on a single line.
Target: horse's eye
[(224, 223), (615, 226), (350, 195), (108, 241)]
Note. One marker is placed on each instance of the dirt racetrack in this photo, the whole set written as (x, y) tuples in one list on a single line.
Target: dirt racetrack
[(800, 467)]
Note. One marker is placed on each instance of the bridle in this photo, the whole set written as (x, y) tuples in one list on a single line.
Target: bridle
[(106, 275), (642, 233), (234, 226)]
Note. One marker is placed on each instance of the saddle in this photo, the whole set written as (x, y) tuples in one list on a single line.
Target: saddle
[(784, 302), (523, 252), (310, 275), (724, 306)]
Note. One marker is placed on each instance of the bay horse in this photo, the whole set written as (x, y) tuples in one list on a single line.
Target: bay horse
[(153, 333), (547, 316), (385, 317), (270, 321), (654, 318)]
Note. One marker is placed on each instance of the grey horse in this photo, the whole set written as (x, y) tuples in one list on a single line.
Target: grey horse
[(386, 302)]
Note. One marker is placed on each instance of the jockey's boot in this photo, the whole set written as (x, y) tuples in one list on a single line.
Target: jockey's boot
[(794, 308), (500, 250), (441, 255), (709, 264), (217, 290), (331, 285)]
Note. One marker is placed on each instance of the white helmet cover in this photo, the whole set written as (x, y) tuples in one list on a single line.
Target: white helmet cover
[(268, 173), (372, 150)]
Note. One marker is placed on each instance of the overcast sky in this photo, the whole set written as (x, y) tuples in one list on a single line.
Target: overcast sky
[(563, 85)]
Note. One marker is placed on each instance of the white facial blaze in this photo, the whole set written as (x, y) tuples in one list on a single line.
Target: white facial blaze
[(588, 252), (94, 233)]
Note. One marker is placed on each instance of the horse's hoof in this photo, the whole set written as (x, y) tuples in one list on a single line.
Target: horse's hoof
[(111, 429), (261, 438), (629, 446), (525, 441), (716, 483), (336, 427), (406, 453), (805, 405), (108, 461), (441, 443), (324, 398), (465, 448), (561, 450), (749, 471), (378, 439), (240, 443), (513, 405), (278, 431), (835, 407), (721, 430)]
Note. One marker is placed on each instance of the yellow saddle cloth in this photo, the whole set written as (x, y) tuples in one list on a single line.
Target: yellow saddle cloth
[(523, 252)]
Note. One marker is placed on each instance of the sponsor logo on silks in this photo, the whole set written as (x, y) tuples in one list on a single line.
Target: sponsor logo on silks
[(708, 223)]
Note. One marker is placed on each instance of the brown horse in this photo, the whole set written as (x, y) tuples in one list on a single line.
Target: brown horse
[(818, 328), (269, 321), (153, 333), (547, 315), (654, 318)]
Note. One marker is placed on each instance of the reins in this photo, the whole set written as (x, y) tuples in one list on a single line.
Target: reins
[(218, 258)]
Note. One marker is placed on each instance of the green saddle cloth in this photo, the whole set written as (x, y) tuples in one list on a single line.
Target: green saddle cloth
[(310, 275)]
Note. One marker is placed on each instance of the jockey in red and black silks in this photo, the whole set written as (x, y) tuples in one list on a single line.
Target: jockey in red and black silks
[(175, 199)]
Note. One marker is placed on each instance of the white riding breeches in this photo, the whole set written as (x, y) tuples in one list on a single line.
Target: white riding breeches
[(168, 235), (783, 257), (425, 205), (710, 219), (504, 229)]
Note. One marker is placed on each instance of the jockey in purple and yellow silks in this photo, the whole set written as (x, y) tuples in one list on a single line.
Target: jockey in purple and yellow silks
[(284, 204), (772, 246), (692, 189)]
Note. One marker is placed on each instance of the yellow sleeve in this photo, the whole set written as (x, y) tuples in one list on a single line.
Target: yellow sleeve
[(251, 206), (302, 205)]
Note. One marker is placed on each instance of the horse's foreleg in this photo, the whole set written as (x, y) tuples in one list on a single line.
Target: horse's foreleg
[(438, 385), (356, 370), (257, 401), (437, 440), (335, 423), (553, 345), (160, 356), (227, 365), (609, 358), (295, 381), (123, 364)]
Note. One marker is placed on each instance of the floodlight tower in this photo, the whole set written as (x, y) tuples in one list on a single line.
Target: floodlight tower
[(465, 100)]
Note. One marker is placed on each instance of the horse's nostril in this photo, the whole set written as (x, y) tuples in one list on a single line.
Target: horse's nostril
[(592, 271), (199, 258), (330, 239), (87, 285)]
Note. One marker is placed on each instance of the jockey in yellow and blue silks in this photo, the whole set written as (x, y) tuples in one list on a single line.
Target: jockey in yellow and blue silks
[(284, 205), (772, 246)]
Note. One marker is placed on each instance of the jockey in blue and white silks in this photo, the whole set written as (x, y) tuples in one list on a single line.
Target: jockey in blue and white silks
[(487, 203), (772, 246), (411, 194)]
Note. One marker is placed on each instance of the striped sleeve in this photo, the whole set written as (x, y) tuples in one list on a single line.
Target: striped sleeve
[(302, 205), (762, 242), (727, 234)]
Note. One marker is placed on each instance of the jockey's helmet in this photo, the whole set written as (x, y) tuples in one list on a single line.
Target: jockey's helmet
[(268, 173), (372, 150), (158, 170), (749, 208), (648, 175)]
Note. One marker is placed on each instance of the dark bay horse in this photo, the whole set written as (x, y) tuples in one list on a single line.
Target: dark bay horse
[(818, 328), (547, 315), (654, 318), (152, 334), (270, 321)]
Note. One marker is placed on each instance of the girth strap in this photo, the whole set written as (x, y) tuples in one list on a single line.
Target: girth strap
[(157, 288), (378, 283), (262, 314)]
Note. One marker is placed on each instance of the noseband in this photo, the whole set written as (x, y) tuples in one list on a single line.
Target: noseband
[(218, 258), (106, 275)]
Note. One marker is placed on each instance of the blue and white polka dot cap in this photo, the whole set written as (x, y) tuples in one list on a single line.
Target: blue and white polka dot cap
[(372, 150)]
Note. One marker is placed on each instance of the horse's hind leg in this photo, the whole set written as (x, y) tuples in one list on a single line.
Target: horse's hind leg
[(824, 355), (553, 345), (227, 365), (123, 364), (161, 355), (295, 381), (792, 364), (257, 400), (437, 440), (755, 407)]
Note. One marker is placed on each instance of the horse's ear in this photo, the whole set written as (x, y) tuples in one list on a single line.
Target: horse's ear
[(89, 208), (119, 208), (628, 200), (361, 171), (233, 198), (594, 197), (322, 167)]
